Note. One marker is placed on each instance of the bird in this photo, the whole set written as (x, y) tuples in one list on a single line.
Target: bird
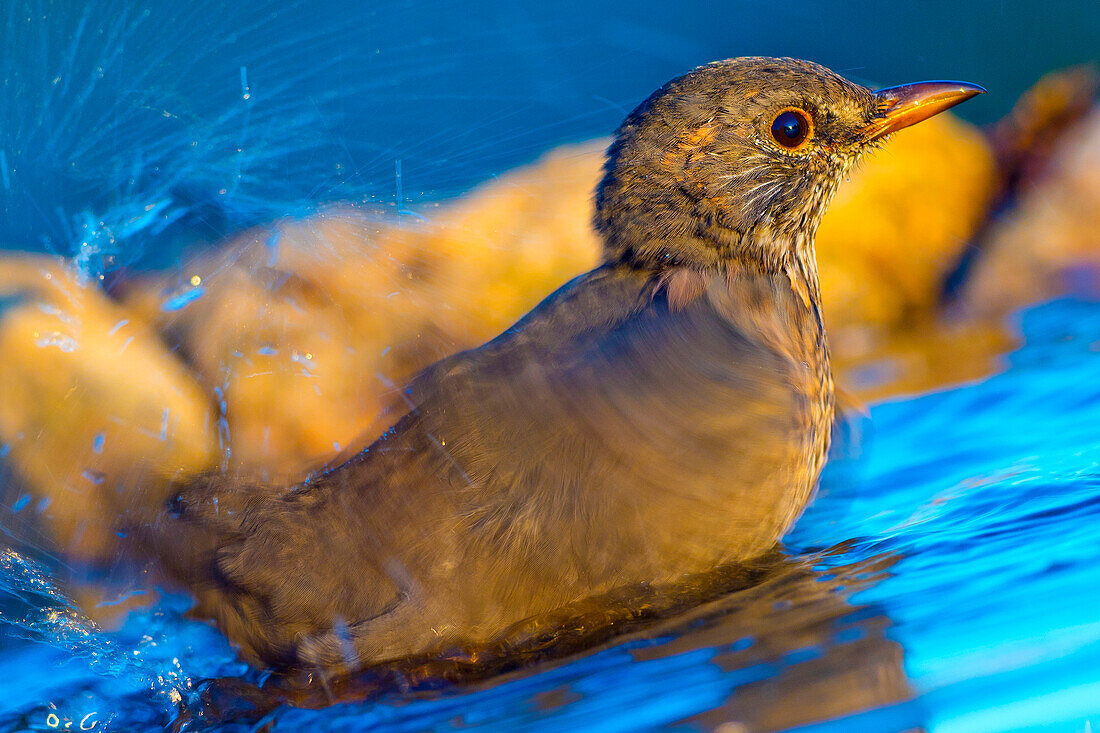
[(665, 413)]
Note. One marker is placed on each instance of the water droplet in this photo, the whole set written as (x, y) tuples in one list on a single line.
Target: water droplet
[(66, 344), (178, 302)]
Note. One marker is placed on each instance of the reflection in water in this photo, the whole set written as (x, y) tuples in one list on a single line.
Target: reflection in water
[(794, 650), (786, 650), (779, 646)]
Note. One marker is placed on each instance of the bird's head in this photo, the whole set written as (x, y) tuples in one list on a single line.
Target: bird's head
[(737, 160)]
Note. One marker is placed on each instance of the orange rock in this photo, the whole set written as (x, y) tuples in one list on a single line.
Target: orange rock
[(306, 329), (91, 405), (898, 227), (1049, 244)]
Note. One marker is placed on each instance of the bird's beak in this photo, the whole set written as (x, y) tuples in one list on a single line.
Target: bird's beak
[(909, 104)]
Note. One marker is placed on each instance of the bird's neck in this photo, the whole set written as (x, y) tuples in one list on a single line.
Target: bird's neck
[(800, 268), (770, 268), (778, 264), (784, 295)]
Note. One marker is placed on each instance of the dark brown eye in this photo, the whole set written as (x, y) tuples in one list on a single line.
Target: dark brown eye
[(791, 128)]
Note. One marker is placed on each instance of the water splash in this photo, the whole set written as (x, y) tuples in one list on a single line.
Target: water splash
[(47, 616), (133, 140)]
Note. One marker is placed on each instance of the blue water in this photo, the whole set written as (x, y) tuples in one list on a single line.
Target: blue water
[(991, 495), (971, 544)]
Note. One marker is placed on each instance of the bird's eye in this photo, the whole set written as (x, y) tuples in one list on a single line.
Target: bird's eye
[(791, 128)]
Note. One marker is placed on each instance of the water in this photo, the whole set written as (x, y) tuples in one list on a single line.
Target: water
[(989, 493), (947, 578)]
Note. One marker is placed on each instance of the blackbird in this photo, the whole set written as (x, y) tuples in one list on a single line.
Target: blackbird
[(660, 415)]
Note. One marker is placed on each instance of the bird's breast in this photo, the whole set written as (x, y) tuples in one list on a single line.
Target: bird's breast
[(675, 440)]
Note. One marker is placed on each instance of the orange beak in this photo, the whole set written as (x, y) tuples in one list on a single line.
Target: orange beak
[(909, 104)]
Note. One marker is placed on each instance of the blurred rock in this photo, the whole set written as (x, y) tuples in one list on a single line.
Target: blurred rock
[(1049, 244), (91, 405), (1024, 140), (307, 330), (897, 228)]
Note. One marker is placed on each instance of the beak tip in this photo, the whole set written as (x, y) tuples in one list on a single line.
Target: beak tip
[(911, 103)]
